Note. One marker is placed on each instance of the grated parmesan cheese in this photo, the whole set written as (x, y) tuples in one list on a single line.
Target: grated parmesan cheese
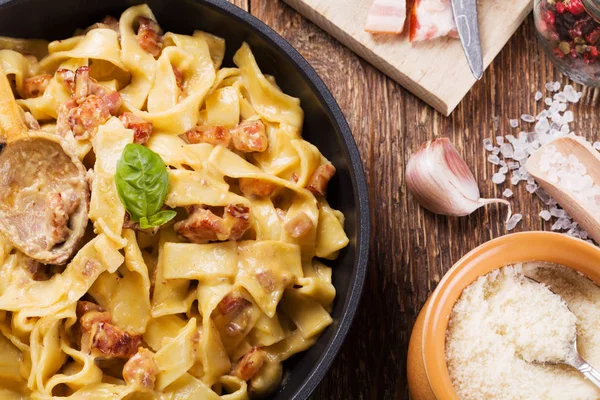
[(503, 319)]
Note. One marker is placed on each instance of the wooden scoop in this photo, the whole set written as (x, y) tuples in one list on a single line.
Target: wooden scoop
[(589, 157), (44, 195)]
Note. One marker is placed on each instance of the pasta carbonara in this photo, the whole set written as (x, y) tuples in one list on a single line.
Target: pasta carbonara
[(199, 272)]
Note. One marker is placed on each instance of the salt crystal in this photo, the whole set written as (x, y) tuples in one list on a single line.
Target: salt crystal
[(515, 179), (519, 155), (514, 123), (507, 193), (571, 94), (513, 165), (528, 118), (538, 96), (568, 116), (500, 140), (513, 221), (498, 178), (557, 212), (548, 101), (596, 145), (494, 159), (487, 144), (507, 150), (560, 97), (503, 170), (531, 188), (549, 86), (557, 86), (545, 215), (510, 138), (557, 226), (542, 126), (496, 150), (543, 195)]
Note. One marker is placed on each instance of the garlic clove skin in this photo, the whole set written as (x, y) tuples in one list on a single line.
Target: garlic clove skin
[(441, 181)]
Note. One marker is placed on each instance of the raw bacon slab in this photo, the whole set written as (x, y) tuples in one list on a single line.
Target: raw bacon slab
[(431, 19), (386, 16)]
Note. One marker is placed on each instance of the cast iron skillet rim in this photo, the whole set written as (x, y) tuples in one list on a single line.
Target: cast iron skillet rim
[(357, 176)]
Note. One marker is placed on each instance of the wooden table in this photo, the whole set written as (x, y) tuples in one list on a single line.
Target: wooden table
[(411, 249)]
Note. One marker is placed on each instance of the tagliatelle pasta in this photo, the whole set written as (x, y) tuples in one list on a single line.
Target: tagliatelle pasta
[(209, 304)]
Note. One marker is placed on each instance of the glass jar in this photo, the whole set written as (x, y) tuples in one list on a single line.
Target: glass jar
[(569, 31)]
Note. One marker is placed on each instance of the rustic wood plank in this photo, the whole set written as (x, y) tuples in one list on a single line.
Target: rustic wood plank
[(245, 4), (417, 65), (388, 124)]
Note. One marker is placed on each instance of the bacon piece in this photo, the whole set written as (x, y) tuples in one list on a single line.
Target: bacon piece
[(266, 280), (431, 19), (84, 119), (36, 85), (214, 135), (252, 187), (84, 307), (178, 77), (386, 16), (102, 339), (235, 309), (141, 369), (63, 124), (203, 224), (81, 88), (149, 36), (318, 181), (250, 364), (237, 218), (299, 226), (108, 22), (249, 136), (66, 77), (56, 220), (142, 129)]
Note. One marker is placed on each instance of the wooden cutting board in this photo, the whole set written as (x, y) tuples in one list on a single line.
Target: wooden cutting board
[(436, 71)]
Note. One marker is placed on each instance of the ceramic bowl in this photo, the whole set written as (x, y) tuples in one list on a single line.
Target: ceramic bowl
[(428, 376)]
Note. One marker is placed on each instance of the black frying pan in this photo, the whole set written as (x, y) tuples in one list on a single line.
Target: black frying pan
[(325, 127)]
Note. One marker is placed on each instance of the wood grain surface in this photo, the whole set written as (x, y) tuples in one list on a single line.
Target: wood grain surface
[(435, 70), (411, 248)]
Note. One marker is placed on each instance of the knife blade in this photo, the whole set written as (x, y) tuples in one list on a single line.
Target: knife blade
[(467, 24)]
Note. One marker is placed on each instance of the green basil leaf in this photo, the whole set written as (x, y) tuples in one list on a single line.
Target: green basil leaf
[(157, 219), (142, 181)]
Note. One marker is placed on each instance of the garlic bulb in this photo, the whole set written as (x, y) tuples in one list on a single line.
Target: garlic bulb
[(440, 180)]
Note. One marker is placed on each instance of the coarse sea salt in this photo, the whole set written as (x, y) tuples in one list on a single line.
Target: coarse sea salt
[(512, 153), (507, 193)]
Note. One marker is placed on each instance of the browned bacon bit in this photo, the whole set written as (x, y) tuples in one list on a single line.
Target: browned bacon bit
[(66, 77), (87, 306), (232, 305), (62, 122), (214, 135), (237, 217), (141, 369), (203, 224), (142, 129), (56, 220), (266, 280), (82, 84), (299, 226), (235, 310), (252, 187), (318, 181), (90, 267), (31, 122), (178, 77), (295, 177), (149, 36), (250, 364), (90, 114), (35, 86), (101, 338), (249, 136), (111, 22)]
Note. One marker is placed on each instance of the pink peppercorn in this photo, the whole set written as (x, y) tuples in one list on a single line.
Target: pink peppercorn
[(560, 8), (575, 7)]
